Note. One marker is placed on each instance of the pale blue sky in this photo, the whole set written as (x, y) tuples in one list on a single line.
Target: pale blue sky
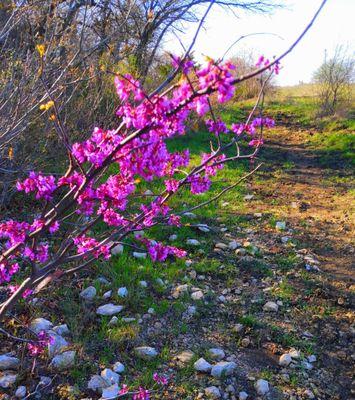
[(335, 25)]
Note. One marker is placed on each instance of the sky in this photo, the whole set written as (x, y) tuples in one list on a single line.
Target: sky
[(334, 26)]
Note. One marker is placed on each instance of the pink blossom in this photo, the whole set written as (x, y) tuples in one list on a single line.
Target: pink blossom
[(199, 184), (44, 186), (160, 379), (143, 394)]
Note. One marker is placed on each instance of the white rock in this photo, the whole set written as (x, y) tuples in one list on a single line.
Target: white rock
[(223, 368), (148, 193), (188, 263), (7, 380), (243, 395), (189, 215), (118, 367), (307, 365), (113, 321), (221, 246), (312, 358), (202, 365), (61, 330), (8, 362), (110, 376), (238, 328), (173, 237), (103, 280), (44, 381), (139, 255), (146, 352), (109, 309), (309, 394), (285, 239), (222, 298), (143, 284), (216, 354), (176, 293), (213, 392), (191, 310), (203, 228), (57, 345), (41, 324), (160, 282), (294, 353), (198, 295), (89, 293), (63, 361), (117, 250), (192, 242), (20, 392), (110, 392), (151, 311), (97, 383), (280, 225), (285, 360), (262, 387), (271, 306), (248, 197), (233, 245), (122, 292), (107, 295)]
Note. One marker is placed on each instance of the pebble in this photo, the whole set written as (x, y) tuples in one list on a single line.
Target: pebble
[(213, 392), (203, 228), (216, 354), (245, 342), (20, 392), (146, 352), (262, 387), (118, 367), (294, 353), (41, 324), (241, 252), (62, 330), (109, 309), (97, 383), (122, 292), (309, 394), (107, 295), (8, 362), (198, 295), (110, 392), (103, 280), (7, 380), (248, 197), (173, 237), (243, 395), (143, 284), (222, 299), (63, 361), (223, 368), (57, 344), (192, 242), (113, 321), (189, 215), (88, 294), (117, 250), (139, 255), (233, 245), (312, 358), (285, 360), (110, 376), (238, 328), (178, 290), (280, 225), (271, 306), (221, 246), (202, 365)]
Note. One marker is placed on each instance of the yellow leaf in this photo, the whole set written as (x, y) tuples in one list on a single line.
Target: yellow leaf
[(11, 153), (52, 117), (41, 49), (137, 180)]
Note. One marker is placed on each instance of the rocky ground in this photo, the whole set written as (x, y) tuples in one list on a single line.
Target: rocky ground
[(261, 310)]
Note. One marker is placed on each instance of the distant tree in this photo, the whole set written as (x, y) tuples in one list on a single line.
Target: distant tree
[(334, 78)]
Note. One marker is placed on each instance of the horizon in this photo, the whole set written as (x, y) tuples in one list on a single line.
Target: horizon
[(286, 23)]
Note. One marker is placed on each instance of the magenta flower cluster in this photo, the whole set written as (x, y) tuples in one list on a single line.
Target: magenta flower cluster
[(103, 182)]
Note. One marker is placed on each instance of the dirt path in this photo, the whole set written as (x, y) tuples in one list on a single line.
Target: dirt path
[(315, 199)]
